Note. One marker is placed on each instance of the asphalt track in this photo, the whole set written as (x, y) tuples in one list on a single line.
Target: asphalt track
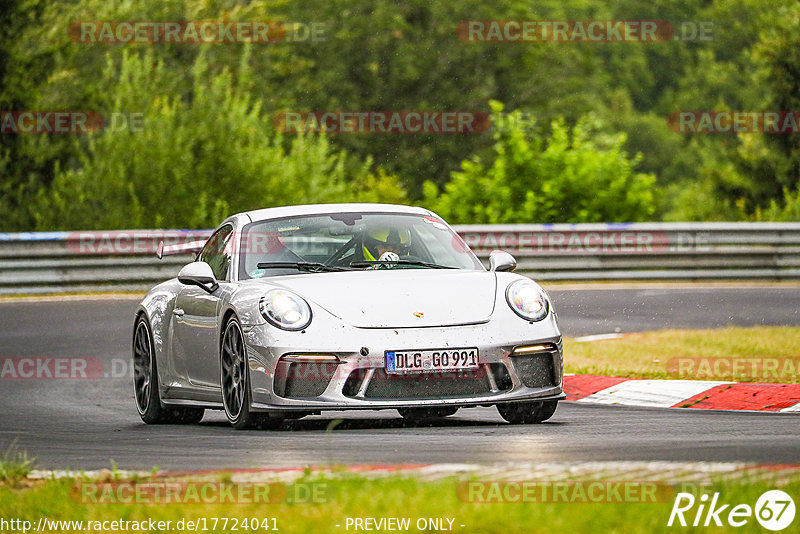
[(85, 424)]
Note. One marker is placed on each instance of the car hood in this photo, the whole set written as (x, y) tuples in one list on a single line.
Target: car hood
[(402, 298)]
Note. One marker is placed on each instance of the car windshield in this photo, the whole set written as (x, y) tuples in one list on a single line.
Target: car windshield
[(350, 241)]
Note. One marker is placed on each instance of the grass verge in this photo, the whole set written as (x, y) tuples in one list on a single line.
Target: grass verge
[(14, 466), (397, 497), (755, 354)]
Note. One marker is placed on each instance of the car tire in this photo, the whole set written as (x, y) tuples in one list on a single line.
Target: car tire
[(237, 397), (423, 414), (526, 413), (145, 383)]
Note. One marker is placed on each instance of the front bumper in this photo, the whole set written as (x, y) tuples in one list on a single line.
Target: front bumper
[(358, 380)]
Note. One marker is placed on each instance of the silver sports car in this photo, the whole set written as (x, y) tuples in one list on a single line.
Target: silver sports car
[(293, 310)]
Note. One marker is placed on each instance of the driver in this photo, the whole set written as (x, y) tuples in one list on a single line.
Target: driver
[(386, 244)]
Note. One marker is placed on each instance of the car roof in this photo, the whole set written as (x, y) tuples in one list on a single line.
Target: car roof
[(312, 209)]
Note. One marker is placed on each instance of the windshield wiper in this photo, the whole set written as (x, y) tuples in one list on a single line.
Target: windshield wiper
[(366, 263), (305, 266)]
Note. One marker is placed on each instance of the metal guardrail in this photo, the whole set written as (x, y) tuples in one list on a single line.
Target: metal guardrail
[(125, 260)]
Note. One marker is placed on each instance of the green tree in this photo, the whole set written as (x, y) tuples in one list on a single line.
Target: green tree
[(195, 161), (22, 160), (388, 55), (786, 211), (574, 175), (778, 54)]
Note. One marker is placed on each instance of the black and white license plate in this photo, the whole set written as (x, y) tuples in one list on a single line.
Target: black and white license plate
[(420, 361)]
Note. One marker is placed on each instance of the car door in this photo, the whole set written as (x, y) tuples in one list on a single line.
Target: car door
[(196, 313)]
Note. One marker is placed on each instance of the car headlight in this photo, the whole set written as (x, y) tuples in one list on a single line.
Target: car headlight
[(285, 309), (527, 300)]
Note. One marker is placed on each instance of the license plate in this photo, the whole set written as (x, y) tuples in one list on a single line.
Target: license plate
[(420, 361)]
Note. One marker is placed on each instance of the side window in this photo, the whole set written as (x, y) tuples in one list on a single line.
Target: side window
[(216, 252)]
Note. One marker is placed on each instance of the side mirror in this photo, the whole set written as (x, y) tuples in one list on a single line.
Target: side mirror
[(198, 273), (501, 261)]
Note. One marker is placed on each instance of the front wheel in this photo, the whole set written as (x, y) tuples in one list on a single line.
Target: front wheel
[(145, 383), (237, 397), (526, 413)]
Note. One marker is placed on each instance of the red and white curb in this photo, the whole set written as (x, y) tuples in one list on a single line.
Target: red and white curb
[(695, 394)]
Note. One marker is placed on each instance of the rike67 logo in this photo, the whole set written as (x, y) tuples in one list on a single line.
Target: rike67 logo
[(774, 510)]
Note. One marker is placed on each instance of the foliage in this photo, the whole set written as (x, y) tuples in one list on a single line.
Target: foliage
[(190, 164), (574, 175), (788, 210), (14, 465), (384, 55)]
